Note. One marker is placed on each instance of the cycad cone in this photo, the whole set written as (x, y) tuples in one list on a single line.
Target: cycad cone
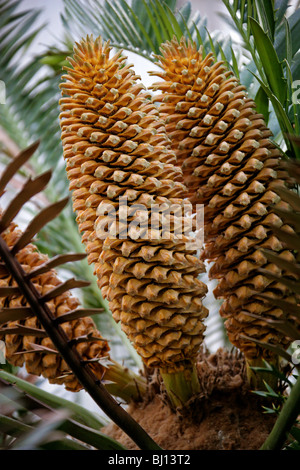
[(31, 351), (115, 147), (231, 166)]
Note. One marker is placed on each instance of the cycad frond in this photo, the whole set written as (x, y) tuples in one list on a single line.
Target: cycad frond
[(140, 26), (31, 96), (290, 216), (30, 430)]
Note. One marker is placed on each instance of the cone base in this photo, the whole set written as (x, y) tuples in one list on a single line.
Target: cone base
[(181, 386)]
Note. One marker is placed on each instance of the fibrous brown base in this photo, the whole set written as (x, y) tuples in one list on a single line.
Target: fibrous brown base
[(226, 415)]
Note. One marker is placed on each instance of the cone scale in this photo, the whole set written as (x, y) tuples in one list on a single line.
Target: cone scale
[(232, 167), (116, 152)]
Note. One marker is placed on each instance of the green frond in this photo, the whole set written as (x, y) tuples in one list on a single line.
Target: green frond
[(270, 36), (29, 433), (138, 26)]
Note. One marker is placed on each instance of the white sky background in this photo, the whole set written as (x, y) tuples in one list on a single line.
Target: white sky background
[(54, 31)]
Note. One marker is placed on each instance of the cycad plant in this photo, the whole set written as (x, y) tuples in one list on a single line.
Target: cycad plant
[(214, 132)]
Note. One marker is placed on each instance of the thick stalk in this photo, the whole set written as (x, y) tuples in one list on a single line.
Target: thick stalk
[(181, 385), (285, 420), (124, 383)]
